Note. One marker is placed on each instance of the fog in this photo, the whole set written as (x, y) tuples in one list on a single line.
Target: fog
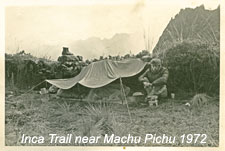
[(44, 30)]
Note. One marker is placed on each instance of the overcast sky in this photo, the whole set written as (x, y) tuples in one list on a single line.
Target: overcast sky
[(33, 27)]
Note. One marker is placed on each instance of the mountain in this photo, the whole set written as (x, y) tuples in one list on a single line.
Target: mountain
[(191, 24), (119, 44)]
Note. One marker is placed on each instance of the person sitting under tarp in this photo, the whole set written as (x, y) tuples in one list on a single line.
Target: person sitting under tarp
[(154, 79)]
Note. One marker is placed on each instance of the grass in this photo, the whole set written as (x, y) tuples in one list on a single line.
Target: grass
[(40, 115)]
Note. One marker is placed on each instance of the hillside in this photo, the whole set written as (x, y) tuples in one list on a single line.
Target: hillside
[(119, 44), (191, 24)]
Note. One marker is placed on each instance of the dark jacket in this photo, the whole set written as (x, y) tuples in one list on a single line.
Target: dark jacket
[(157, 79)]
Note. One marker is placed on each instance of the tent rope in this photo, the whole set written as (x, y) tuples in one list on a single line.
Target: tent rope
[(34, 87), (31, 89), (125, 98)]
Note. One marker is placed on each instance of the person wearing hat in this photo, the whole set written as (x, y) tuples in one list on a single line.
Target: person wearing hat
[(155, 79)]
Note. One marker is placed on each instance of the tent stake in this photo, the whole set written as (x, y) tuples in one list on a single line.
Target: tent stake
[(125, 98)]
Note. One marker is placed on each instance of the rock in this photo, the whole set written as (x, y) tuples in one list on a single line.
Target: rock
[(67, 58), (66, 51)]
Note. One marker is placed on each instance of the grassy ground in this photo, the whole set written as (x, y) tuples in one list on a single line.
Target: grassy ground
[(33, 114)]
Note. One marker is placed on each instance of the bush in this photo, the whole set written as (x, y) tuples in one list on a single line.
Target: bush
[(193, 67)]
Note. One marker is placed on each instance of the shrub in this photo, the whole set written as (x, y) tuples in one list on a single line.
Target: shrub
[(193, 67)]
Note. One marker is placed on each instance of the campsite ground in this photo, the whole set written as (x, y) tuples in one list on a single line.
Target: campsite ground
[(39, 115)]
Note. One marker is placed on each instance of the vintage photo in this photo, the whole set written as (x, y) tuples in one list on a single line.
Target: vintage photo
[(143, 73)]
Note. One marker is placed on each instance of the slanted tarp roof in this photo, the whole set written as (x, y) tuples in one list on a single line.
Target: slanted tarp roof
[(101, 73)]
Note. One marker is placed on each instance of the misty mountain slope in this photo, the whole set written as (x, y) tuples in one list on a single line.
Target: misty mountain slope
[(191, 24), (119, 44)]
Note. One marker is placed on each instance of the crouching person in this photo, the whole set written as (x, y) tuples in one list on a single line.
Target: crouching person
[(154, 80)]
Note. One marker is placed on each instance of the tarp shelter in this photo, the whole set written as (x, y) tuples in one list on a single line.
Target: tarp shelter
[(101, 73)]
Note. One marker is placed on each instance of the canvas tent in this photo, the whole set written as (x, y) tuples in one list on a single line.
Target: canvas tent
[(101, 73)]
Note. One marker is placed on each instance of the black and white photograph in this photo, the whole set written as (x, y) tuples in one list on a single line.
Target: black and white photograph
[(142, 73)]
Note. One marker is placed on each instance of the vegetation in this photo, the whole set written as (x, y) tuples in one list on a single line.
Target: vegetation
[(189, 51), (32, 114), (194, 67)]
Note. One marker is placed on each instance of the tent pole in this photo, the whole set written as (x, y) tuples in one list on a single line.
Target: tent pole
[(121, 90), (125, 98)]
